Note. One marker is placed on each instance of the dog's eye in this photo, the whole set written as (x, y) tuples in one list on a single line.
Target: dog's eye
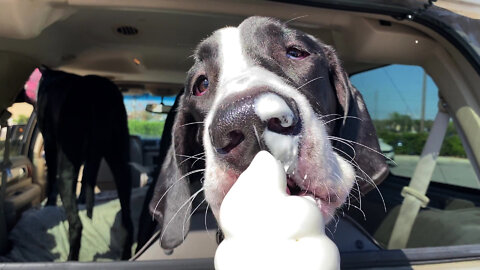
[(201, 86), (295, 53)]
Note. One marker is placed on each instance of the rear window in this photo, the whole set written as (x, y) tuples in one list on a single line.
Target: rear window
[(141, 122)]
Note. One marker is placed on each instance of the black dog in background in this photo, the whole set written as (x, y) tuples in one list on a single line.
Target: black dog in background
[(82, 120)]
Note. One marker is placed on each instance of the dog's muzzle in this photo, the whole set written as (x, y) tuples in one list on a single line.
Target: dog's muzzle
[(238, 126)]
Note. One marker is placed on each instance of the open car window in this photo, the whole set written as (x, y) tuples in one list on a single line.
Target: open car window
[(403, 120), (403, 102)]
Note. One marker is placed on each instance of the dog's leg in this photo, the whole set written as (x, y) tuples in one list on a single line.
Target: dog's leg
[(118, 162), (51, 160), (67, 179), (81, 198), (89, 178)]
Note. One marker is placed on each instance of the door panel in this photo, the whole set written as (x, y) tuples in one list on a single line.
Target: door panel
[(21, 193)]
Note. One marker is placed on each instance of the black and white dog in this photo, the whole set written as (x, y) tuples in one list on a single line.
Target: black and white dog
[(82, 120), (257, 86)]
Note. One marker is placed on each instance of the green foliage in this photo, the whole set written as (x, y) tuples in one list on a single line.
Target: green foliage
[(146, 128), (21, 119), (404, 143), (452, 146), (401, 132)]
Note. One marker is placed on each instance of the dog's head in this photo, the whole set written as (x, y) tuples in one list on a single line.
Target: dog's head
[(264, 86)]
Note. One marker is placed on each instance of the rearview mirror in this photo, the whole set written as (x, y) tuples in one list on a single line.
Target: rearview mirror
[(157, 108)]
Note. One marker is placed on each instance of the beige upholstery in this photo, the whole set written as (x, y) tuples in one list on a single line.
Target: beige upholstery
[(455, 225)]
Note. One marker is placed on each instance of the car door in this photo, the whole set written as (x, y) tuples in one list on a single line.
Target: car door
[(19, 188)]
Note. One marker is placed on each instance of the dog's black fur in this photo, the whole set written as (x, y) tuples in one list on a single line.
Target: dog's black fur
[(147, 223), (82, 120), (332, 96)]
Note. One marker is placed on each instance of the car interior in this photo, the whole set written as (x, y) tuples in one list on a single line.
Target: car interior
[(144, 47)]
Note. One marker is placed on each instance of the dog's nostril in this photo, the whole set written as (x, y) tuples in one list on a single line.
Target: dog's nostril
[(235, 138), (282, 126)]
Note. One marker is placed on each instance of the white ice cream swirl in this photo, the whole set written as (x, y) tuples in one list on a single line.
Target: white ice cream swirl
[(265, 228)]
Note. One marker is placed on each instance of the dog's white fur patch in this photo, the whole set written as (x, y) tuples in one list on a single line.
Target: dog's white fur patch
[(269, 106), (231, 49)]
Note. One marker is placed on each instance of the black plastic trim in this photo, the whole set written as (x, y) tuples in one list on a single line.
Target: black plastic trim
[(411, 256), (197, 264), (354, 260)]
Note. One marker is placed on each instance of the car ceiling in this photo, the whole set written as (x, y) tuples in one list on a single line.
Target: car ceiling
[(81, 36)]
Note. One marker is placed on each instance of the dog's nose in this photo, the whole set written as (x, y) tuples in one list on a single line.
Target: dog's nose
[(238, 125)]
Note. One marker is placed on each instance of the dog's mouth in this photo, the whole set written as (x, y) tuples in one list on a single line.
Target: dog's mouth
[(311, 167), (300, 187)]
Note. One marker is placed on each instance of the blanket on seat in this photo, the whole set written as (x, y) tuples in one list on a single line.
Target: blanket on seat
[(41, 234)]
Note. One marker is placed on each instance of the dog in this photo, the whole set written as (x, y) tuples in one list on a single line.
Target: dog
[(265, 86), (82, 120)]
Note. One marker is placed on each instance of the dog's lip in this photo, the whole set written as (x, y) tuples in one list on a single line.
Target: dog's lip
[(320, 196)]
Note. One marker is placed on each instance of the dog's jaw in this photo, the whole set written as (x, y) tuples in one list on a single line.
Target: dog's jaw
[(320, 172), (311, 164)]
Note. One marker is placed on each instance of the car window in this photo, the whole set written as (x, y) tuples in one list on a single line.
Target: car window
[(20, 114), (142, 122), (18, 121), (403, 101)]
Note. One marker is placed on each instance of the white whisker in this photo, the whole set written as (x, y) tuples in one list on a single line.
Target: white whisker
[(201, 158), (336, 223), (294, 19), (190, 157), (170, 187), (331, 233), (205, 221), (371, 182), (342, 117), (369, 148), (350, 146), (361, 211), (164, 229), (258, 138), (310, 81), (191, 214), (327, 115), (191, 123)]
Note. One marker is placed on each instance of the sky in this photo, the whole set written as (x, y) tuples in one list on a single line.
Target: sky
[(396, 88)]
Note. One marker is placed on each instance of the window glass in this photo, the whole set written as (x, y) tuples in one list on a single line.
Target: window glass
[(402, 101), (20, 114), (142, 122)]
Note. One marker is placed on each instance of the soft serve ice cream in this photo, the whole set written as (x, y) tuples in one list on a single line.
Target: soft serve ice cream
[(265, 228)]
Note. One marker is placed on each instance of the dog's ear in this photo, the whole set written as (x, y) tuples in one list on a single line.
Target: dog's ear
[(358, 138), (171, 204)]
